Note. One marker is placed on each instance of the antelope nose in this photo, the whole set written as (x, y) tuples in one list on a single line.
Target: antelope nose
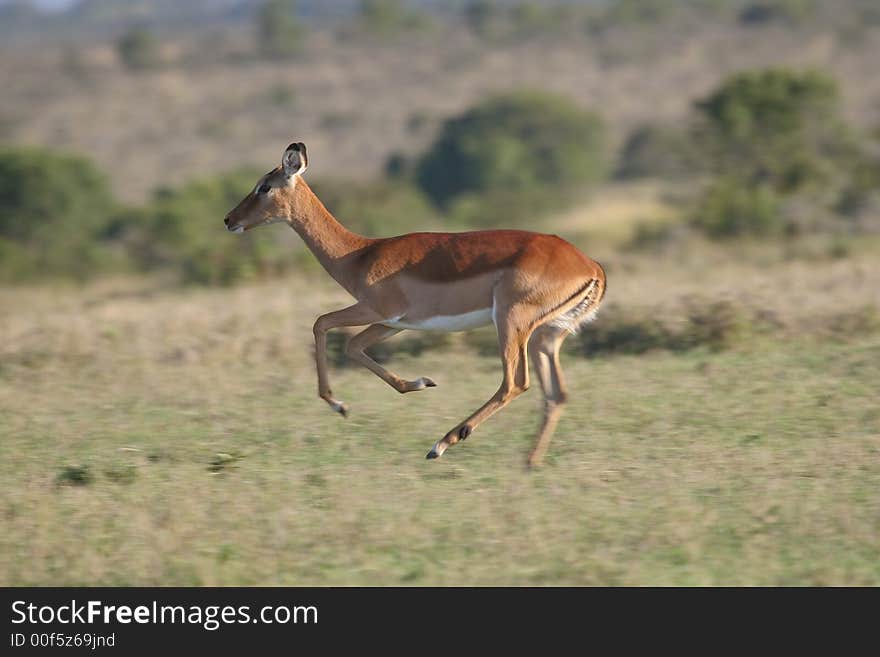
[(226, 220)]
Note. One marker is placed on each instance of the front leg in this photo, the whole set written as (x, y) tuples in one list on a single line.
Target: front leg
[(356, 315), (376, 333)]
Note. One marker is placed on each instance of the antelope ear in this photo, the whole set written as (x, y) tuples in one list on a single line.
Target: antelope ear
[(295, 161)]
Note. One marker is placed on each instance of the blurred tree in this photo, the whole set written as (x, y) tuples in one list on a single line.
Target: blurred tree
[(279, 32), (182, 230), (656, 150), (52, 207), (777, 127), (138, 49), (781, 151), (534, 143)]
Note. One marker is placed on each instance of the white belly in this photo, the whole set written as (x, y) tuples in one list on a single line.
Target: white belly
[(444, 322)]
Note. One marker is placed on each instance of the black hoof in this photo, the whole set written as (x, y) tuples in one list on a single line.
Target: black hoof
[(464, 432), (432, 455), (430, 384)]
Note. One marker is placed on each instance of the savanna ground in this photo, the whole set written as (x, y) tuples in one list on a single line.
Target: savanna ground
[(155, 436)]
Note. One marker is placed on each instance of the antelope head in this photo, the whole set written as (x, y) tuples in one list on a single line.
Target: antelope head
[(273, 198)]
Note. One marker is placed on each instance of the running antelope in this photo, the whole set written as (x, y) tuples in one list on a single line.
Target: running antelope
[(536, 289)]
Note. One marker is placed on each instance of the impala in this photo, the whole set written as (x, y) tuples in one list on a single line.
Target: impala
[(536, 289)]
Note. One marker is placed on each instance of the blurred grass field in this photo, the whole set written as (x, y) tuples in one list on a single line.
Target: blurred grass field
[(174, 437)]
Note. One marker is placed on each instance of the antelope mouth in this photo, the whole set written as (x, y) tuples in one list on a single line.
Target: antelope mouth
[(235, 229)]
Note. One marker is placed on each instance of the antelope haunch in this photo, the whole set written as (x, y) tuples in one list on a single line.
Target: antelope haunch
[(536, 289)]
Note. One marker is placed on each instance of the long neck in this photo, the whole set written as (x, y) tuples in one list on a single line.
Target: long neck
[(332, 243)]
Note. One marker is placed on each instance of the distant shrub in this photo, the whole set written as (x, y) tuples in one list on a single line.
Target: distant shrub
[(281, 95), (121, 473), (777, 127), (526, 142), (391, 17), (729, 208), (792, 11), (656, 150), (777, 142), (639, 11), (853, 323), (493, 20), (279, 33), (182, 229), (52, 208), (622, 334), (654, 236), (337, 121), (529, 18), (75, 475), (714, 325), (481, 16), (860, 196), (138, 49)]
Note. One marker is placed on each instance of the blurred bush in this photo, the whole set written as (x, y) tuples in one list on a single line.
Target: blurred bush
[(859, 199), (853, 323), (138, 49), (481, 16), (182, 230), (53, 206), (654, 237), (495, 21), (389, 18), (75, 475), (778, 127), (657, 150), (714, 325), (621, 12), (766, 11), (279, 33), (532, 147), (780, 150), (729, 208)]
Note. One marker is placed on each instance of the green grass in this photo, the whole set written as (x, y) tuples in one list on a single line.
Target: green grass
[(759, 465)]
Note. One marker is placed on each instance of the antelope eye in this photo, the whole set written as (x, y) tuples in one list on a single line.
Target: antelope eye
[(264, 189)]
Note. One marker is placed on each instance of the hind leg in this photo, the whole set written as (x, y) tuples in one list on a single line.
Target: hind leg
[(513, 335), (544, 349)]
